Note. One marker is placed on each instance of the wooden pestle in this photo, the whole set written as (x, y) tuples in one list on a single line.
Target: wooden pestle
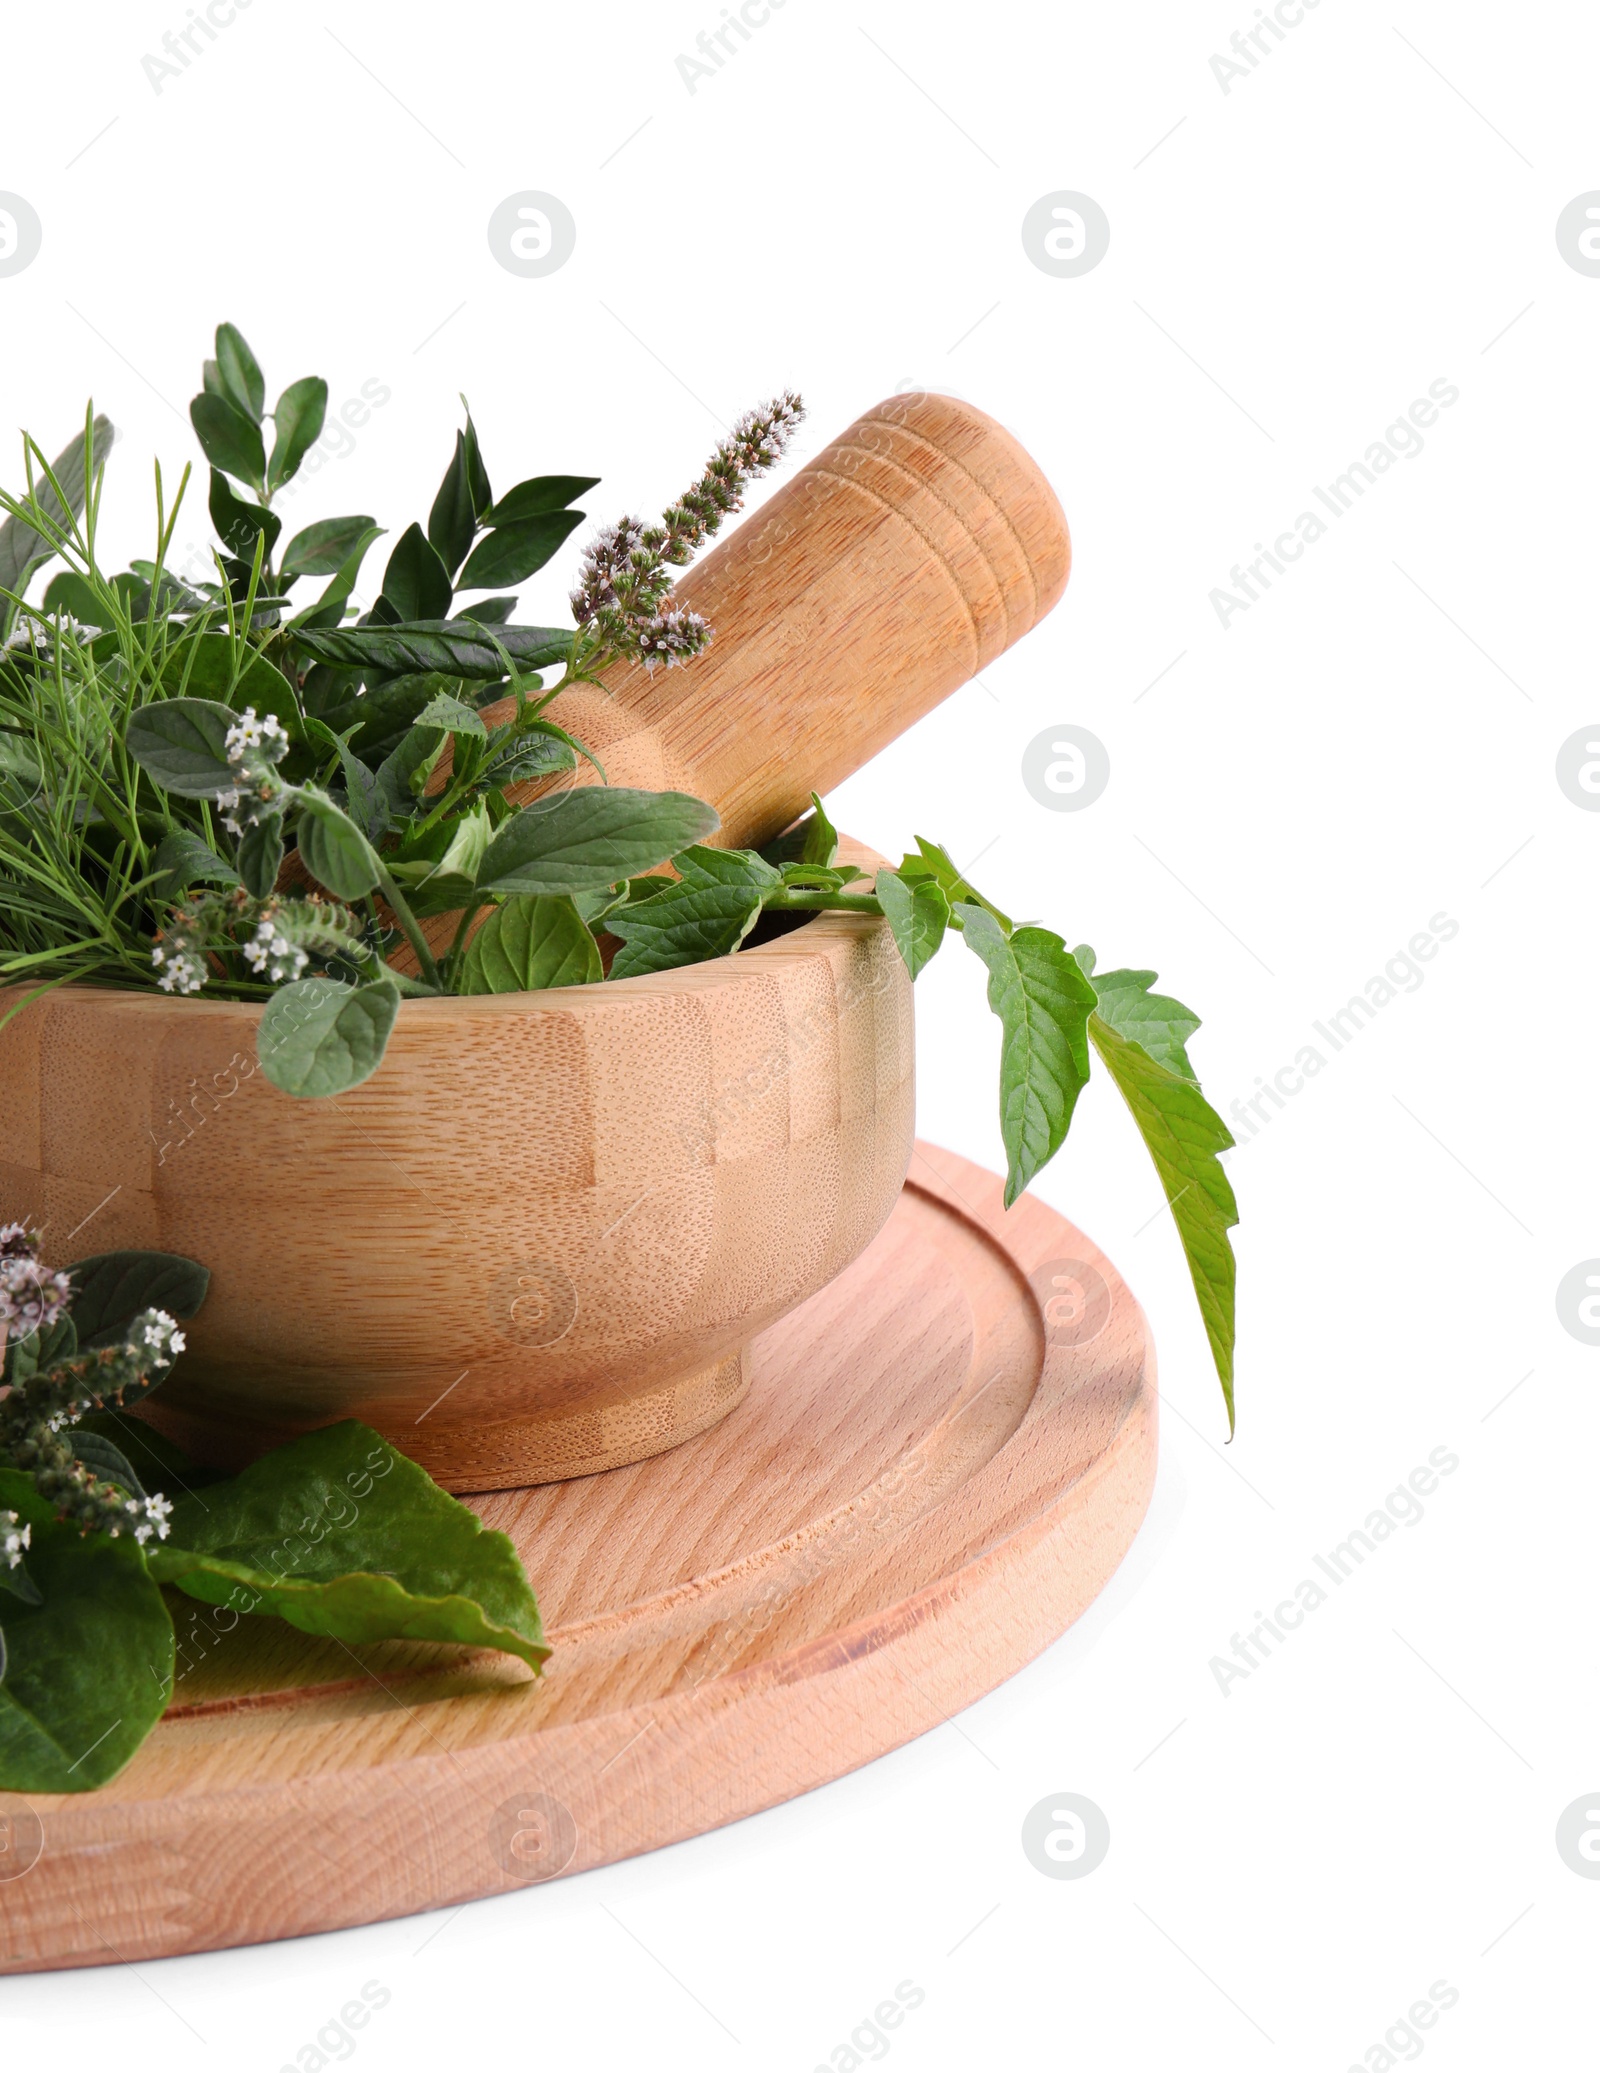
[(888, 572), (882, 577)]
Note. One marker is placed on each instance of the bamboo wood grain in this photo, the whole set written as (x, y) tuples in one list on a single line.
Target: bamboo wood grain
[(927, 1482), (532, 1245)]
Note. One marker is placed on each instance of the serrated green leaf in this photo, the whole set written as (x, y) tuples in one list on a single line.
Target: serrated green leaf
[(511, 553), (318, 1037), (239, 377), (453, 647), (339, 1534), (230, 440), (528, 944), (539, 494), (917, 914), (453, 716), (88, 1670), (575, 841), (182, 743), (707, 912), (297, 422), (1183, 1135), (1043, 1002), (933, 862), (1161, 1024)]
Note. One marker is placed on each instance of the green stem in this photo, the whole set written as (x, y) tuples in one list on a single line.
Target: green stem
[(848, 903), (408, 921), (460, 941)]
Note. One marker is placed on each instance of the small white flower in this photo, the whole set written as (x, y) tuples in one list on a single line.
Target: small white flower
[(13, 1539)]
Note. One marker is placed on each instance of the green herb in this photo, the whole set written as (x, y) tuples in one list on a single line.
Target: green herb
[(205, 788), (335, 1533)]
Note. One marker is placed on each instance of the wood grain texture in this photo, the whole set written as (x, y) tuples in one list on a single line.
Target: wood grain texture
[(532, 1245), (942, 1457), (893, 567)]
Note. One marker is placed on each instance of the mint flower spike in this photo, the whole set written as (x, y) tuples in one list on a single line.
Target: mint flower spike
[(622, 601), (33, 1418)]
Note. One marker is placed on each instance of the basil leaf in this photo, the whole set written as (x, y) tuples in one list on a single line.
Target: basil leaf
[(322, 548), (936, 864), (333, 849), (453, 521), (918, 915), (23, 548), (1183, 1135), (575, 841), (339, 1534), (297, 421), (1044, 1003), (109, 1289), (182, 742), (230, 440), (513, 552), (260, 853), (528, 944), (239, 524), (184, 860), (416, 582), (539, 494), (457, 647), (708, 912), (1161, 1025), (517, 755), (319, 1037), (88, 1670), (238, 376)]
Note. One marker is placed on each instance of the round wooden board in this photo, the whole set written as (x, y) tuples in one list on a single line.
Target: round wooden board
[(942, 1458)]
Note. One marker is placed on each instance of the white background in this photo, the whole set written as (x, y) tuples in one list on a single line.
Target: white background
[(1292, 262)]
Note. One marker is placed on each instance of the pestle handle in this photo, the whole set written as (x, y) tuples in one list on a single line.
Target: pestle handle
[(897, 564)]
